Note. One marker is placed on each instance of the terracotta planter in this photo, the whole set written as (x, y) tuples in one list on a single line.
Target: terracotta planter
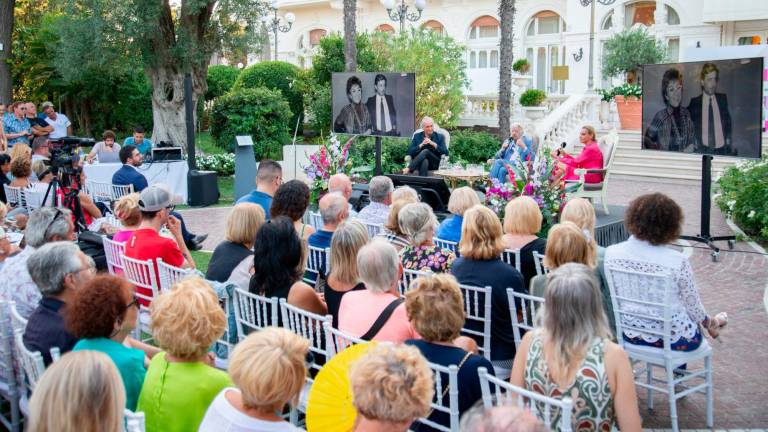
[(630, 111)]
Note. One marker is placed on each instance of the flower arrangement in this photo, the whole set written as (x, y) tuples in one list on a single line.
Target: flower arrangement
[(223, 164), (535, 178), (331, 158)]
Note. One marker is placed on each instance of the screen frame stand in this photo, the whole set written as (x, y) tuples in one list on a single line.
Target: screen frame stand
[(706, 201), (377, 171)]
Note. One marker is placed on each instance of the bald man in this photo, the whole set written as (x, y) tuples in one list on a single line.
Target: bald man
[(341, 184), (333, 210)]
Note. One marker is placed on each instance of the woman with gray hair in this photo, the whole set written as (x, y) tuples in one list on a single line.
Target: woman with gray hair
[(419, 223), (377, 312), (571, 353)]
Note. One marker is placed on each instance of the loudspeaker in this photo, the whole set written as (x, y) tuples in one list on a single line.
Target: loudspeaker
[(203, 188)]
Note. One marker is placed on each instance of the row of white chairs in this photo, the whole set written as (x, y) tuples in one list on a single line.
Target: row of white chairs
[(29, 199), (106, 192)]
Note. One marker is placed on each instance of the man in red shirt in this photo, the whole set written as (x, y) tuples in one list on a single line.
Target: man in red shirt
[(156, 202)]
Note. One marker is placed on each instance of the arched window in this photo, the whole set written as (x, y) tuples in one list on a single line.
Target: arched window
[(434, 25), (485, 27), (640, 13), (473, 60), (545, 22), (607, 22), (315, 36), (386, 28), (308, 45), (672, 17), (494, 59)]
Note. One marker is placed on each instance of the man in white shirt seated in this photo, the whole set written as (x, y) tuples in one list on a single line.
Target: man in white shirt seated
[(380, 193), (61, 125)]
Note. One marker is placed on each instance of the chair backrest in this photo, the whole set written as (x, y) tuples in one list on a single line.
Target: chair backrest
[(12, 195), (134, 421), (32, 199), (447, 244), (18, 322), (309, 326), (119, 191), (142, 274), (373, 229), (607, 145), (555, 413), (254, 312), (169, 275), (408, 276), (477, 308), (538, 259), (523, 309), (451, 409), (438, 129), (337, 341), (315, 220), (512, 257), (98, 191), (7, 369), (318, 261), (31, 362), (642, 302), (114, 251)]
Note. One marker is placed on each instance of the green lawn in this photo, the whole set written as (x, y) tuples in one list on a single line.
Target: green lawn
[(201, 260)]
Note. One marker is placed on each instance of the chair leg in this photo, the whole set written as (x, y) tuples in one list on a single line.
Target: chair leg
[(710, 392), (672, 398), (649, 381), (604, 201)]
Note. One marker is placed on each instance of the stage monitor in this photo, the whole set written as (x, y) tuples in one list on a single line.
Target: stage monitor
[(431, 190), (706, 107), (374, 103)]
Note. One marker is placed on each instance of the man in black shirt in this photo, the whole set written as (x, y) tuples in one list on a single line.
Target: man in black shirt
[(39, 126), (426, 149)]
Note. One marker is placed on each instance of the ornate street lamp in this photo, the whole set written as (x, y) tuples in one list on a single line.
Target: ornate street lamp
[(591, 79), (278, 24), (402, 13)]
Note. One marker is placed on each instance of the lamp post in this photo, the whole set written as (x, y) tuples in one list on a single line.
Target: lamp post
[(591, 79), (276, 24), (402, 13)]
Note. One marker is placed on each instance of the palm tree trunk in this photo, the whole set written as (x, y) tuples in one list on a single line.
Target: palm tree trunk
[(350, 36), (507, 14)]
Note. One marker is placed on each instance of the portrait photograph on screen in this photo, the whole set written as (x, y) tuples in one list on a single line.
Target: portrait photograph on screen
[(374, 103), (706, 107)]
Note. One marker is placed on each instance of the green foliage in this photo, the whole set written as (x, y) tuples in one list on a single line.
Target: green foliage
[(627, 51), (362, 153), (221, 78), (606, 95), (317, 100), (521, 66), (330, 57), (532, 98), (628, 90), (743, 196), (275, 75), (262, 113), (473, 147), (440, 67)]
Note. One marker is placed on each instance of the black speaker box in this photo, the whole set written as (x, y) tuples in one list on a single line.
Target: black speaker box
[(203, 188)]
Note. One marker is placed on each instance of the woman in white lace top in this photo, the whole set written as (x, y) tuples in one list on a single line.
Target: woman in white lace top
[(655, 220)]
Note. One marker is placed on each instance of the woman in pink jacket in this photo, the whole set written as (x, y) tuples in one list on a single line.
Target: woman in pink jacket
[(590, 158)]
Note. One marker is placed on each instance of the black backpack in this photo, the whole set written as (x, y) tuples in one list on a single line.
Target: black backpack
[(92, 245)]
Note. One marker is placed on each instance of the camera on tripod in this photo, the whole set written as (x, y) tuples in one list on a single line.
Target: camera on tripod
[(64, 157)]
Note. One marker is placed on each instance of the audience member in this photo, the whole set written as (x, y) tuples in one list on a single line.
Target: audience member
[(461, 200), (80, 392), (144, 145), (3, 139), (107, 145), (590, 158), (17, 127), (278, 264), (391, 231), (243, 222), (504, 418), (20, 150), (377, 312), (350, 236), (436, 310), (61, 125), (91, 210), (405, 192), (426, 149), (572, 354), (380, 192), (340, 183), (59, 269), (6, 247), (566, 243), (392, 386), (269, 177), (480, 265), (655, 220), (40, 128), (40, 153), (419, 223), (128, 212), (291, 200), (522, 220), (261, 392), (102, 315), (45, 225), (21, 170), (334, 211), (181, 381)]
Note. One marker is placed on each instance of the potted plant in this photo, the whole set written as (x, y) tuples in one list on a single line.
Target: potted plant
[(521, 66), (606, 96), (625, 53), (531, 101)]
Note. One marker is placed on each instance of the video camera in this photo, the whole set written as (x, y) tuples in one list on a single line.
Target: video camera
[(63, 154)]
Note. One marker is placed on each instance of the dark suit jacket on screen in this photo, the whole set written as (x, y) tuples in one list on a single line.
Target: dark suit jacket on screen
[(371, 104), (695, 108)]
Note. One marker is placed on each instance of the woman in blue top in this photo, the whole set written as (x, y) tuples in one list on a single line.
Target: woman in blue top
[(461, 199), (101, 315)]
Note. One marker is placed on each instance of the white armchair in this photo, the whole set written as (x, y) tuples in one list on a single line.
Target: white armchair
[(608, 145)]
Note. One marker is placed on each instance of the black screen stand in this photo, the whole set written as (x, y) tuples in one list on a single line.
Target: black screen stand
[(706, 202)]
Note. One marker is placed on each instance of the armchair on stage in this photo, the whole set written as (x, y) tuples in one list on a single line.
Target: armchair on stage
[(439, 130), (608, 144)]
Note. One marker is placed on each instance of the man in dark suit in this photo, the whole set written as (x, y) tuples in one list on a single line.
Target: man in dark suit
[(381, 108), (426, 149), (710, 115)]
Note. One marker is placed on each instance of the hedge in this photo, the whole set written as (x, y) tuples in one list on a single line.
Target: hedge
[(275, 75)]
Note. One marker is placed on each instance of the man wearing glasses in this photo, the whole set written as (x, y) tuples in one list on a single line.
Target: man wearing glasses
[(16, 126)]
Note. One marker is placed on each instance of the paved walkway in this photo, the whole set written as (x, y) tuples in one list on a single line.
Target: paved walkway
[(735, 284)]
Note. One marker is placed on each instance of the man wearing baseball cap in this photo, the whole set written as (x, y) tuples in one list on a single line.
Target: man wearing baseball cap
[(61, 125), (156, 203)]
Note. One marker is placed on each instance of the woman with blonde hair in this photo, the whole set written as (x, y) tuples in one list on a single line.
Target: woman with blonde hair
[(436, 309), (261, 392), (21, 150), (522, 221), (461, 200), (181, 381), (82, 391), (572, 354), (480, 265), (392, 386), (128, 212), (590, 158), (566, 243), (243, 222), (349, 237), (391, 231), (419, 223)]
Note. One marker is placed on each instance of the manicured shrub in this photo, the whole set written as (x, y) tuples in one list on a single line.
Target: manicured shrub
[(472, 147), (532, 98), (221, 78), (275, 75)]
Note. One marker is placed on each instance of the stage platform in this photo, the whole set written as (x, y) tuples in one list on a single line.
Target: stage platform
[(610, 229)]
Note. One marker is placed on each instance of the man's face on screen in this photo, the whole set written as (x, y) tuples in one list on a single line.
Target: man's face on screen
[(710, 83), (381, 87)]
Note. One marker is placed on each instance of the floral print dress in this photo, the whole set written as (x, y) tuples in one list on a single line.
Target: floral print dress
[(427, 258)]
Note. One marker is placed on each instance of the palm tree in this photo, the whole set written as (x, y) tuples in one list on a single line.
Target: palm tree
[(507, 14), (350, 36)]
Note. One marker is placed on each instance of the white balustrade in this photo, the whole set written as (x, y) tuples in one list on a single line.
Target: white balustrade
[(562, 123)]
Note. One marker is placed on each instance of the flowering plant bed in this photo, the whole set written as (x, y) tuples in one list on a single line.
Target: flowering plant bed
[(743, 196)]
